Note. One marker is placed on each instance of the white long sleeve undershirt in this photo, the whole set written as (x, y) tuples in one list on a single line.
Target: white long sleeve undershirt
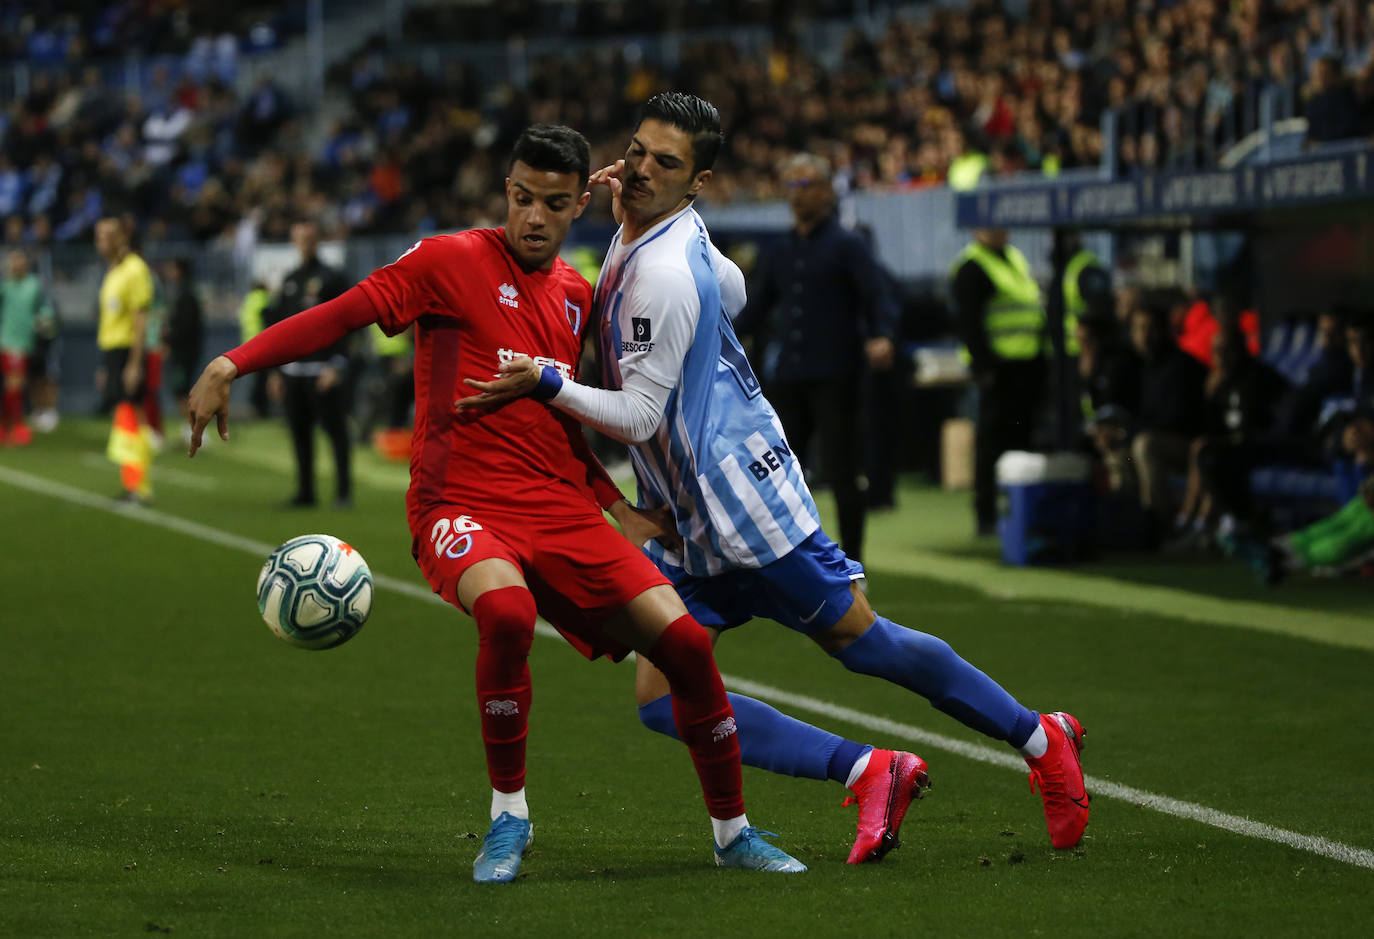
[(664, 297), (630, 415)]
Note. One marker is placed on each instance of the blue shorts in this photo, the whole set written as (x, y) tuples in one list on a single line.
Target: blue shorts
[(808, 589)]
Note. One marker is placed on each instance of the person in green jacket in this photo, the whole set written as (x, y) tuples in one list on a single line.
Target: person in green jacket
[(24, 313), (1330, 545)]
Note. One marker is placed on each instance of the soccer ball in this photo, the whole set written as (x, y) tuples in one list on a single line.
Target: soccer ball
[(315, 592)]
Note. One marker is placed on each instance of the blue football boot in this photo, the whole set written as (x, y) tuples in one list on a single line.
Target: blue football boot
[(750, 851), (499, 860)]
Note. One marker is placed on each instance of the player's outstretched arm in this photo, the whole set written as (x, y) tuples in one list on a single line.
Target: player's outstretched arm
[(209, 398), (308, 331), (630, 415), (515, 379)]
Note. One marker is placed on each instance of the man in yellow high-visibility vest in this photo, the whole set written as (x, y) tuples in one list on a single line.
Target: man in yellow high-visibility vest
[(126, 294), (1001, 318), (1087, 290)]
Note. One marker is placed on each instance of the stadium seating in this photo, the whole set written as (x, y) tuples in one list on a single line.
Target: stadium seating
[(895, 95)]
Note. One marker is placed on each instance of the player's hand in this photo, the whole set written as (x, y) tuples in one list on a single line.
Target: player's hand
[(132, 375), (209, 397), (610, 177), (880, 351), (1350, 439), (514, 379), (640, 526), (328, 378)]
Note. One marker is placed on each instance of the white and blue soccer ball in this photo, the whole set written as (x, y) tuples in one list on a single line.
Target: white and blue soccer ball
[(315, 592)]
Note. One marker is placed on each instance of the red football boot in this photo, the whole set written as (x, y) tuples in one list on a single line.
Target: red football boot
[(20, 435), (1059, 775), (888, 784)]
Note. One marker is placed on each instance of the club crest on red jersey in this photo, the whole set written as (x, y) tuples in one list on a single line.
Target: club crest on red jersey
[(574, 313)]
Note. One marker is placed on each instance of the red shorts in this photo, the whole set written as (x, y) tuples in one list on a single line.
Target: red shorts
[(579, 568), (13, 363)]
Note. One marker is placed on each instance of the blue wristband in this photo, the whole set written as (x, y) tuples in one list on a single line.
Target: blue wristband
[(550, 382)]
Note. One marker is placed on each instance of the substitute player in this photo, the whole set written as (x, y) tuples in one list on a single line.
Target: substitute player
[(746, 539), (25, 313), (504, 506)]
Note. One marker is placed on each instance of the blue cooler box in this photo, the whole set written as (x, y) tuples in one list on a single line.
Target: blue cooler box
[(1047, 508)]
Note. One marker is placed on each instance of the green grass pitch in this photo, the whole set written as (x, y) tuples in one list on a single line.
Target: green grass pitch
[(166, 765)]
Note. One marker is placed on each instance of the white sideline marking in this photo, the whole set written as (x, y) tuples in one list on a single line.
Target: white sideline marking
[(1359, 857), (1335, 850)]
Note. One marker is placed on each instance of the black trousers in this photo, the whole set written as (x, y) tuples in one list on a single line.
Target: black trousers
[(1226, 466), (114, 392), (305, 407), (1010, 404), (822, 418), (884, 394), (257, 394)]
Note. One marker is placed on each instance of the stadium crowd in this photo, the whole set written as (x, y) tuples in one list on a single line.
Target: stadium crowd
[(77, 31), (945, 97)]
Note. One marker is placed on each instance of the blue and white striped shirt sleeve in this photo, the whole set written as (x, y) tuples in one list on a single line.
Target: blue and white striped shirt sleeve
[(657, 321)]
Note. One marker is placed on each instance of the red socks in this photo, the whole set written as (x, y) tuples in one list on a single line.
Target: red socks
[(505, 629), (152, 413), (13, 406), (702, 713), (152, 396)]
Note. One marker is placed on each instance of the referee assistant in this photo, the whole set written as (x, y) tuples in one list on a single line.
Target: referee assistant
[(126, 293)]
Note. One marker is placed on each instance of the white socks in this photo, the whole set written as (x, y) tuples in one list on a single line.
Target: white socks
[(857, 770), (512, 802), (1035, 747), (727, 830)]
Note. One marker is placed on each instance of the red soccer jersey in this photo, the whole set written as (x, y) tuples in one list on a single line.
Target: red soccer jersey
[(474, 307)]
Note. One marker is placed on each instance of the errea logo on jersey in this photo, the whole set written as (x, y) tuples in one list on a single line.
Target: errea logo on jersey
[(509, 296)]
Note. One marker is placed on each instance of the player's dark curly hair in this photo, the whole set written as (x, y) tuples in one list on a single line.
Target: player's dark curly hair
[(553, 148), (691, 115)]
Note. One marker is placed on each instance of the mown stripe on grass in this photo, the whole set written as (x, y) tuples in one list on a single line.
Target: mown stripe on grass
[(389, 477), (1002, 582), (160, 474), (1337, 851)]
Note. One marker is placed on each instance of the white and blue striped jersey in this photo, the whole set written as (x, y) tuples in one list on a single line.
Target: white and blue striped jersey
[(719, 456)]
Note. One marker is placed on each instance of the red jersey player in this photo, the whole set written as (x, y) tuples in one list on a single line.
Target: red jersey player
[(505, 505)]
